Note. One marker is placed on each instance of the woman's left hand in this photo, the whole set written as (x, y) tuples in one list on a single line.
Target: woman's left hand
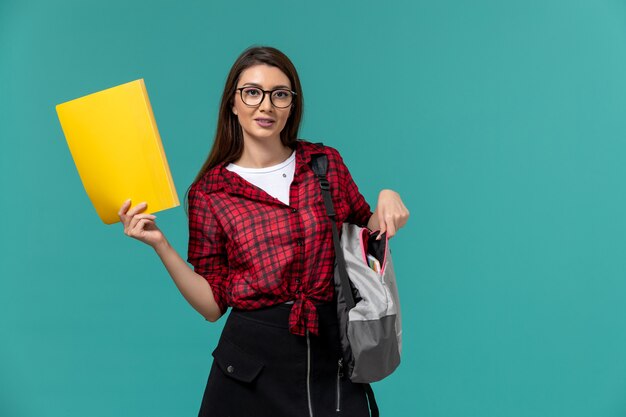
[(390, 214)]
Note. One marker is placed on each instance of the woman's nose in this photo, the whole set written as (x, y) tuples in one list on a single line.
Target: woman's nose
[(266, 103)]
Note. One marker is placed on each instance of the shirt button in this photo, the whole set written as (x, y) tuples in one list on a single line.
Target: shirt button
[(230, 369), (293, 210), (299, 242), (297, 280), (297, 291)]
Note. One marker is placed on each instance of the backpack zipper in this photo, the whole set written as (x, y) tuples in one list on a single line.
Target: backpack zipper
[(339, 375), (308, 372)]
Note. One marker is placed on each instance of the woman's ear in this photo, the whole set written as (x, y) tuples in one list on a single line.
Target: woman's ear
[(232, 106)]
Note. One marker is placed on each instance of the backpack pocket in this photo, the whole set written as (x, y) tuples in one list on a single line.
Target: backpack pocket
[(374, 251)]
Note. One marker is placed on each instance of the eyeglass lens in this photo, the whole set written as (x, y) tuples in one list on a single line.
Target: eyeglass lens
[(253, 96)]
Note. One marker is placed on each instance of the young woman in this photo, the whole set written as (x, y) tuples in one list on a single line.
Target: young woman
[(260, 242)]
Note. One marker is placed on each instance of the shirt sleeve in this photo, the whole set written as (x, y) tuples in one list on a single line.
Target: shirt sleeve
[(360, 212), (207, 246)]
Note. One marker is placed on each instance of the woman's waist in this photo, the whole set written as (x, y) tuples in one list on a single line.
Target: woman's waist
[(277, 315)]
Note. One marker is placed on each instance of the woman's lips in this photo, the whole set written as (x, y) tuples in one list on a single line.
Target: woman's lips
[(264, 122)]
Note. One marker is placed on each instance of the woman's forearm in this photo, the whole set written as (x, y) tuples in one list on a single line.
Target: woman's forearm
[(191, 285)]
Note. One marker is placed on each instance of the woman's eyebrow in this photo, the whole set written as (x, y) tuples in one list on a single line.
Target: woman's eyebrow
[(274, 88)]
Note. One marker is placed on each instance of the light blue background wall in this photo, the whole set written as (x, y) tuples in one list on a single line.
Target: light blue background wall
[(501, 124)]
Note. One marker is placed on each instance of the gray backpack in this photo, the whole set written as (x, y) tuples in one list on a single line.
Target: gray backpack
[(368, 305)]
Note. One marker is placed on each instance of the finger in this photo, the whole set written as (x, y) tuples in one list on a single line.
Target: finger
[(145, 216), (143, 225), (402, 221), (122, 211), (138, 208), (382, 225), (139, 228), (138, 217), (124, 207), (391, 227), (133, 222), (404, 216)]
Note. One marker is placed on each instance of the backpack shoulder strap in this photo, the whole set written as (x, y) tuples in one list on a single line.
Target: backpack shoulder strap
[(319, 164)]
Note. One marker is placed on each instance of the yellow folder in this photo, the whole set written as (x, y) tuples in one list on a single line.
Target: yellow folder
[(113, 138)]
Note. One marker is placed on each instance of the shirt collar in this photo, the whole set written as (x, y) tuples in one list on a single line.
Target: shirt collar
[(219, 177)]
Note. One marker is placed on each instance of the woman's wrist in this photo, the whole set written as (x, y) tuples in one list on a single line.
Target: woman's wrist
[(161, 246), (372, 223)]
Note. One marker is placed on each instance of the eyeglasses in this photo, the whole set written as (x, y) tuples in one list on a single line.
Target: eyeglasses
[(253, 96)]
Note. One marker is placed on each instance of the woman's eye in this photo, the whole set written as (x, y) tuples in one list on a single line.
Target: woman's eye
[(281, 94), (252, 92)]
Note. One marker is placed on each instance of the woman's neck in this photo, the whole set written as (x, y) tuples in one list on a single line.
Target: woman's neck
[(263, 153)]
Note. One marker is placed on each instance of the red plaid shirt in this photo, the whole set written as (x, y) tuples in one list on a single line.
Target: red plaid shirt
[(255, 251)]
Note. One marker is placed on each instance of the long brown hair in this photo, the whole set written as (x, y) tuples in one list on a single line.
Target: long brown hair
[(228, 143)]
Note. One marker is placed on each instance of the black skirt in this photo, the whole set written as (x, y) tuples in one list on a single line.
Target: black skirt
[(261, 369)]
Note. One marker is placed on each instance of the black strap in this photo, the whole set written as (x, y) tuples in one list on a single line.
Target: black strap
[(372, 400), (319, 165)]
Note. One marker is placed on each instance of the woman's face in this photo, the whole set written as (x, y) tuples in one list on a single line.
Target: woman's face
[(264, 121)]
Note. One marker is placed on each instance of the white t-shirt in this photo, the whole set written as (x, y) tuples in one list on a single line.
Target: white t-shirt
[(274, 180)]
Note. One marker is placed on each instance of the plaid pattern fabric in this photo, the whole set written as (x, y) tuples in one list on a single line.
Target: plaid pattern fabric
[(255, 251)]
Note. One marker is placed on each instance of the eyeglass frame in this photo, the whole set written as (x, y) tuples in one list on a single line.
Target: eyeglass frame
[(240, 89)]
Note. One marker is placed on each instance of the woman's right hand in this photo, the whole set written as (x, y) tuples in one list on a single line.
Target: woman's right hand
[(140, 226)]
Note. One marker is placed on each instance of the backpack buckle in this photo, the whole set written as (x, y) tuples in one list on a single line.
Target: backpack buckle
[(324, 183)]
